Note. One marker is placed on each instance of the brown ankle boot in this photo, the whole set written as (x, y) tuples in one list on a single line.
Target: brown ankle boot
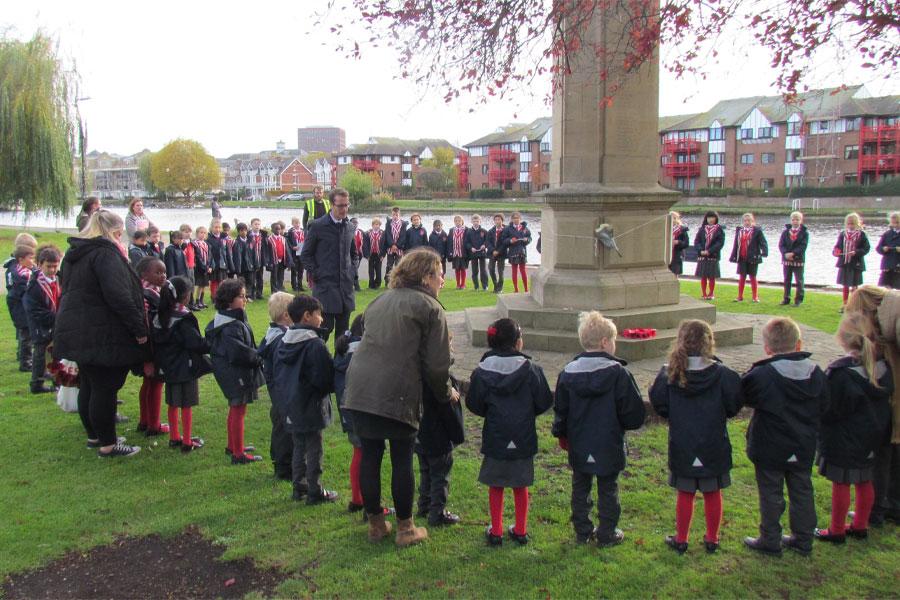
[(408, 534), (378, 528)]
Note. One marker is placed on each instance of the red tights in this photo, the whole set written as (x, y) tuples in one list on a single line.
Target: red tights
[(187, 420), (520, 497), (711, 282), (846, 292), (355, 465), (150, 401), (236, 429), (460, 277), (516, 270), (684, 514), (754, 286), (840, 504), (213, 286)]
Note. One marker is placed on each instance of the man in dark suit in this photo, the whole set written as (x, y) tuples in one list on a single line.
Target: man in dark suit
[(328, 254)]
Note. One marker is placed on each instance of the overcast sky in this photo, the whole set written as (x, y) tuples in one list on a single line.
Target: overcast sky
[(239, 76)]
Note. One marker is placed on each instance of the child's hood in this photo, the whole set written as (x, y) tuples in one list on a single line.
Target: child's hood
[(882, 374), (273, 333), (586, 372), (702, 375), (295, 342), (8, 262), (795, 372), (505, 372), (223, 318)]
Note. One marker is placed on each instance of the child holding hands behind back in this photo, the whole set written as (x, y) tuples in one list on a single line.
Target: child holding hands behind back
[(697, 393), (788, 393), (597, 400), (857, 424), (509, 391)]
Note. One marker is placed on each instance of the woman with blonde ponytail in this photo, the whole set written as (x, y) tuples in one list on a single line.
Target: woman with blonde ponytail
[(697, 394), (856, 424)]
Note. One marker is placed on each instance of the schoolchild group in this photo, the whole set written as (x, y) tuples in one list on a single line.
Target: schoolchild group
[(750, 248)]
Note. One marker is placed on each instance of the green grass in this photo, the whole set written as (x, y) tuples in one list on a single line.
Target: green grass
[(8, 236), (58, 496)]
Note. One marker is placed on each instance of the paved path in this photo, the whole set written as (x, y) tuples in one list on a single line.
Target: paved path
[(739, 358)]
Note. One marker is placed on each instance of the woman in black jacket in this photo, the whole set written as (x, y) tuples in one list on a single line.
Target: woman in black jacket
[(889, 249), (101, 301)]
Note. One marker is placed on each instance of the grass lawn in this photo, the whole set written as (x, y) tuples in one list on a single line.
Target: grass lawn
[(58, 496)]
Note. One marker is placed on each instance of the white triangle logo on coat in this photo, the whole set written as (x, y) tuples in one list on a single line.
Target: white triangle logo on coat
[(793, 458), (590, 458), (697, 462), (871, 454), (511, 446)]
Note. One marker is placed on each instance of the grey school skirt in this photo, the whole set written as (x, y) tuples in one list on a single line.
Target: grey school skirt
[(699, 484), (507, 473)]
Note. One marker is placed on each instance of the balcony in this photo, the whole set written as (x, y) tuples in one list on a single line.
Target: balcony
[(880, 162), (880, 133), (681, 146), (681, 169), (501, 155), (502, 175), (365, 165)]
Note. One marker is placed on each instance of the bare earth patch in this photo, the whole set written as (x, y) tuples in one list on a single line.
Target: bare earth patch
[(185, 566)]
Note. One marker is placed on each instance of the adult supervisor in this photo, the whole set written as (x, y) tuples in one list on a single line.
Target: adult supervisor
[(317, 207), (101, 325), (135, 219), (328, 254), (405, 345)]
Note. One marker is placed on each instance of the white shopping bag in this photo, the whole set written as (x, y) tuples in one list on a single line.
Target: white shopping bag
[(67, 398)]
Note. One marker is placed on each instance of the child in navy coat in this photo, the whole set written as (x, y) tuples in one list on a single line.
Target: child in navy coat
[(889, 249), (438, 242), (41, 302), (18, 272), (497, 252), (750, 247), (509, 391), (138, 248), (416, 234), (788, 393), (179, 351), (708, 242), (680, 241), (236, 364), (515, 242), (456, 251), (176, 262), (850, 249), (857, 424), (696, 393), (792, 245), (476, 247), (344, 347), (304, 379), (152, 272), (281, 446), (597, 400), (244, 260)]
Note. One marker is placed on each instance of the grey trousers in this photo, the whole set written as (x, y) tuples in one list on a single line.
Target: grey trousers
[(608, 507), (24, 351), (281, 446), (887, 484), (306, 466), (39, 363), (434, 482), (797, 274), (802, 512), (496, 267)]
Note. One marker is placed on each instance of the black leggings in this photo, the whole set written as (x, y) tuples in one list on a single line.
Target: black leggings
[(97, 400), (403, 479)]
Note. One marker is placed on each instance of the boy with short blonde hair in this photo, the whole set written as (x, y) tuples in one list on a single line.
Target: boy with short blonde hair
[(281, 447)]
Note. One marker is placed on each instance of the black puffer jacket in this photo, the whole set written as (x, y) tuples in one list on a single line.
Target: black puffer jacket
[(101, 310), (698, 438), (509, 391), (304, 378), (180, 349), (40, 317), (789, 394), (859, 419), (597, 400), (235, 360), (15, 293)]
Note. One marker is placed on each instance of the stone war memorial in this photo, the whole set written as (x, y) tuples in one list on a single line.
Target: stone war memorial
[(603, 172)]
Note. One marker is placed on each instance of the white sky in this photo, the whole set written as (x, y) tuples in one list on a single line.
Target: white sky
[(240, 76)]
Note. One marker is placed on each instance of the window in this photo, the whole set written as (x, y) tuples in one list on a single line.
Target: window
[(767, 158), (823, 126), (686, 183), (524, 167), (792, 155), (716, 133), (746, 159), (793, 180), (793, 128), (746, 134), (717, 158), (484, 169), (766, 184), (523, 147), (851, 124), (484, 186), (545, 147), (851, 152), (746, 184), (547, 167), (764, 132), (851, 178), (715, 182), (525, 185)]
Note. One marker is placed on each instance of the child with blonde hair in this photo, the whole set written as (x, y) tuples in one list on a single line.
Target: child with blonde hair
[(792, 246), (750, 247), (851, 247), (456, 251), (281, 446), (597, 400), (889, 249), (857, 424), (696, 393), (680, 241)]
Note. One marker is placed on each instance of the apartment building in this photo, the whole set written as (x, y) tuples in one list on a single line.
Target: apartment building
[(395, 161), (513, 157), (321, 139), (824, 137), (112, 176), (254, 175)]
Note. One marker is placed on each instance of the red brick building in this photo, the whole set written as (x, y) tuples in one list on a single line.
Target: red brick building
[(296, 177), (514, 157), (396, 161), (825, 138)]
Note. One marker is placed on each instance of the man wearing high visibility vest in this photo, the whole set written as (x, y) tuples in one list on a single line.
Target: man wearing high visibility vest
[(317, 207)]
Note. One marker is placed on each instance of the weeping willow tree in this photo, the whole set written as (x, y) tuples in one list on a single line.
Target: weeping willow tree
[(36, 127)]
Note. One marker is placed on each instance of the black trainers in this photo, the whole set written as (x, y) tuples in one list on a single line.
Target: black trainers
[(354, 508), (174, 443), (245, 459), (617, 538), (141, 428), (492, 540), (119, 450), (96, 444), (230, 452), (711, 547), (324, 496), (163, 428), (856, 533), (679, 547), (584, 538), (40, 388), (520, 539), (785, 302), (824, 535), (791, 543), (298, 495), (443, 518), (196, 444), (754, 544)]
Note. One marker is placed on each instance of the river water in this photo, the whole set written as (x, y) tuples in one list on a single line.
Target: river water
[(820, 267)]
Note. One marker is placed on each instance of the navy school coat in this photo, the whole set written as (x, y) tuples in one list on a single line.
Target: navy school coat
[(235, 359), (179, 350), (304, 379), (797, 246), (890, 259)]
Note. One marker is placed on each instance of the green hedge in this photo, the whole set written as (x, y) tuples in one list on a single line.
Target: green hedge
[(885, 188), (483, 194)]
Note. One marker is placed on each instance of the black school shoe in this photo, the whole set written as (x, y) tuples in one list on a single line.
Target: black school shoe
[(860, 534), (245, 459), (679, 547), (711, 547), (196, 444), (354, 508), (791, 543), (443, 519), (617, 538), (520, 539), (97, 444), (325, 496), (492, 540), (230, 452), (584, 538), (299, 494), (754, 544), (824, 535)]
